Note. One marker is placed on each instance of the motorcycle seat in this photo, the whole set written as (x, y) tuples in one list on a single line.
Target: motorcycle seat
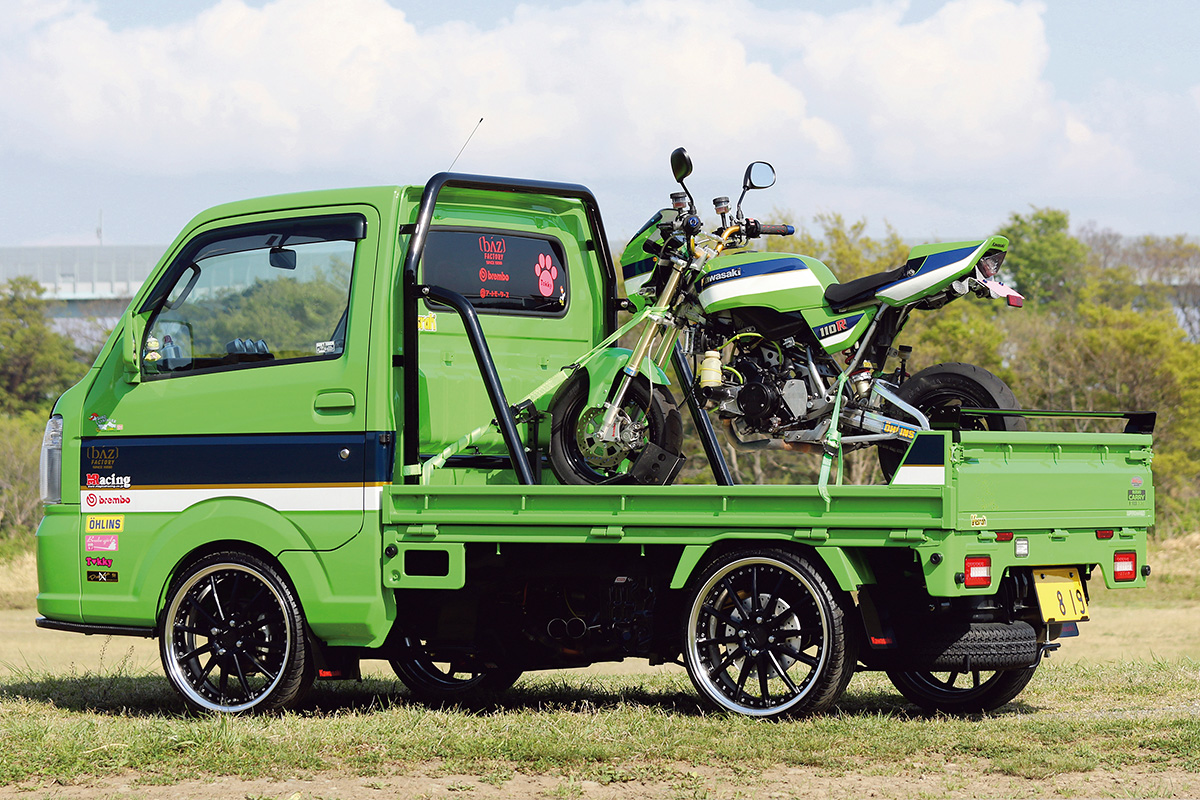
[(841, 296)]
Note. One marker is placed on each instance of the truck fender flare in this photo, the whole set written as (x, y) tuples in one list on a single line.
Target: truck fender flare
[(848, 567), (220, 523)]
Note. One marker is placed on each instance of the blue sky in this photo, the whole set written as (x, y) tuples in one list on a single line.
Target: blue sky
[(940, 118)]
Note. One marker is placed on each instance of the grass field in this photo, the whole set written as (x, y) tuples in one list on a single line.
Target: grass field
[(1115, 713)]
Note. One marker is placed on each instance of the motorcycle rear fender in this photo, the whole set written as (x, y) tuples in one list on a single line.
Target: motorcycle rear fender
[(602, 372), (937, 266)]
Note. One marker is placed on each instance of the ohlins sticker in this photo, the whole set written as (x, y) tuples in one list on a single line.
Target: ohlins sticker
[(95, 481), (101, 576), (837, 326)]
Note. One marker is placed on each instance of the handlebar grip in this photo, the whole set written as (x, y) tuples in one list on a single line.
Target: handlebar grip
[(777, 230), (653, 248)]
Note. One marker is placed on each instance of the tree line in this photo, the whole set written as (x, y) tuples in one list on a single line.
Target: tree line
[(1110, 323)]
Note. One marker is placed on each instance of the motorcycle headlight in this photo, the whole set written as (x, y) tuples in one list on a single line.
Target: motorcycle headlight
[(50, 468), (989, 265)]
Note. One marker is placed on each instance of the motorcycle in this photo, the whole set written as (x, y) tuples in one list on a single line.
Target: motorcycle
[(787, 357)]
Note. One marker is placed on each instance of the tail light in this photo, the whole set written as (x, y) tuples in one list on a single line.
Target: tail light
[(1104, 534), (978, 571), (1124, 566), (989, 265)]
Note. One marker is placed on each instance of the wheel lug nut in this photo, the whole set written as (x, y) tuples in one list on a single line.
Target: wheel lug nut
[(758, 620), (771, 639), (742, 634)]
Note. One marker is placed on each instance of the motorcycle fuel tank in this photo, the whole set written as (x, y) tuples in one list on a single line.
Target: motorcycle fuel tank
[(785, 283)]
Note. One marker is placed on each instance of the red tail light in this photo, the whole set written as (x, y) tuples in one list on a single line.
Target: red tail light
[(978, 570), (1004, 536), (1104, 534), (1124, 566)]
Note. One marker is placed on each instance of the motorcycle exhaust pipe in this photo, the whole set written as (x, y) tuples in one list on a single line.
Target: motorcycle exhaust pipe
[(769, 444)]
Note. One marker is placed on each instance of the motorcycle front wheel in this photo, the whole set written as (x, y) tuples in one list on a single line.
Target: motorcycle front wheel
[(945, 386), (579, 457)]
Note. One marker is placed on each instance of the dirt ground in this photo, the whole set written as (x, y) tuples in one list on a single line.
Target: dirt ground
[(958, 780)]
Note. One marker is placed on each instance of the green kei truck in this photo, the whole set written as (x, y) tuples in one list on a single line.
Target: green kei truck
[(268, 470)]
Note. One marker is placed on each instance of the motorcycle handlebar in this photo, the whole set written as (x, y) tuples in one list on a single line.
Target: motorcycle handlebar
[(754, 229)]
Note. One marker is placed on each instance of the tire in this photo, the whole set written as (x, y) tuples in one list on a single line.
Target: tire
[(978, 645), (945, 386), (433, 680), (765, 636), (578, 459), (232, 636), (961, 692)]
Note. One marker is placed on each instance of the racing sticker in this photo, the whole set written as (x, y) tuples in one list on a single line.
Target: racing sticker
[(101, 576)]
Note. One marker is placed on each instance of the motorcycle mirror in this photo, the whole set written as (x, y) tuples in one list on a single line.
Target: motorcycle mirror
[(681, 166), (759, 175)]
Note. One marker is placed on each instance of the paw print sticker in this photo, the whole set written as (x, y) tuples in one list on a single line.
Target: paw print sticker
[(546, 273)]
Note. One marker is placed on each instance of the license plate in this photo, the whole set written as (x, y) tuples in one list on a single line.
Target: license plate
[(1060, 594)]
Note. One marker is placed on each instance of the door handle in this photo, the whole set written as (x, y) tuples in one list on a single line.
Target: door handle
[(334, 401)]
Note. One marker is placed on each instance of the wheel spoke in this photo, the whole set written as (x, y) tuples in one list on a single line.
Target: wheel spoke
[(733, 655), (730, 639), (763, 677), (754, 589), (269, 675), (242, 677), (951, 680), (975, 679), (212, 582), (194, 602), (783, 674), (728, 584), (799, 655), (722, 616), (742, 676), (201, 650)]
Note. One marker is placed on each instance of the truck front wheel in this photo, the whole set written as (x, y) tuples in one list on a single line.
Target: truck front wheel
[(232, 636), (765, 635), (961, 692)]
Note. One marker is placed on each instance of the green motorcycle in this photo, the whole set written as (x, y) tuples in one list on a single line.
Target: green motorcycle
[(788, 357)]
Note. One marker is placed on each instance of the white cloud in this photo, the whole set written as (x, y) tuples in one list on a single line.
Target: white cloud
[(863, 105)]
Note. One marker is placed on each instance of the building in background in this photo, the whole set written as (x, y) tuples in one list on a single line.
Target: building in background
[(92, 283)]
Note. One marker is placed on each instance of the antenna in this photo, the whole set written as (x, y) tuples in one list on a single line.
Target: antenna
[(464, 147)]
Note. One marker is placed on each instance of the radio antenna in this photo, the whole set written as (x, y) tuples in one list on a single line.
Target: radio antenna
[(464, 147)]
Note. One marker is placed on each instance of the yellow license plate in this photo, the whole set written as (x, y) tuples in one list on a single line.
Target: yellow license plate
[(1060, 594)]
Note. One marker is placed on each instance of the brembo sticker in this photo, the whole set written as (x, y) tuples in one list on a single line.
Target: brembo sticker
[(94, 500)]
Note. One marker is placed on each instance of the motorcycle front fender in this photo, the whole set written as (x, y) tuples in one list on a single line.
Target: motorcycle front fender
[(603, 370)]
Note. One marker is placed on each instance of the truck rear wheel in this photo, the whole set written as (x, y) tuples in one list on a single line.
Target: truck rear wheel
[(433, 680), (961, 692), (232, 636), (766, 636)]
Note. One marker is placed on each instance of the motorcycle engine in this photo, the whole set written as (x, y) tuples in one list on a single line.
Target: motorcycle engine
[(765, 400)]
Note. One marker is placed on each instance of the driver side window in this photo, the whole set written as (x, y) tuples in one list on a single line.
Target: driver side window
[(232, 304)]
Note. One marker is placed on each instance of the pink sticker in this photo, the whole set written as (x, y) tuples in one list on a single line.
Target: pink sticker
[(106, 542)]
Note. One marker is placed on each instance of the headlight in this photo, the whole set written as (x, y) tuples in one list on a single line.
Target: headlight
[(989, 265), (50, 471)]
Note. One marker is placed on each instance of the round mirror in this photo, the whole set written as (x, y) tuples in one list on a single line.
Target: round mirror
[(759, 175), (681, 164)]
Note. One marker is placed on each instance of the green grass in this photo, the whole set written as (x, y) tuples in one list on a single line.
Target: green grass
[(610, 729)]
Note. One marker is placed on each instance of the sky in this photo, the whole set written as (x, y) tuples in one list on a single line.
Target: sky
[(940, 119)]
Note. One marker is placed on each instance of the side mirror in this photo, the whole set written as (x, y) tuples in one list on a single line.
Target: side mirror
[(759, 175), (681, 164), (133, 327)]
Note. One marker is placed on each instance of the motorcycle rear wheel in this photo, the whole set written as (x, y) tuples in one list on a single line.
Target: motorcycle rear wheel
[(950, 385), (579, 458)]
